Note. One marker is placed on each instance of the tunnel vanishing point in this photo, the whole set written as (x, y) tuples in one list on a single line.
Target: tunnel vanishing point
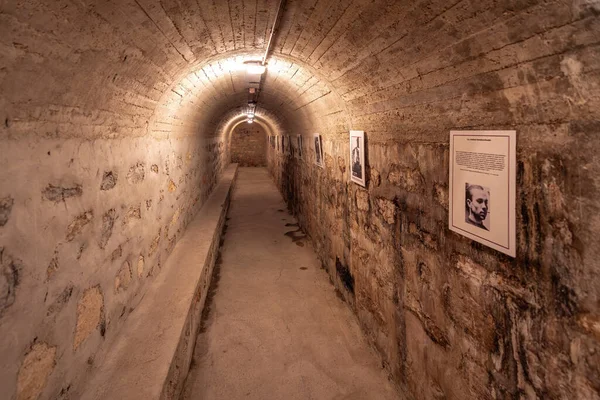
[(126, 127)]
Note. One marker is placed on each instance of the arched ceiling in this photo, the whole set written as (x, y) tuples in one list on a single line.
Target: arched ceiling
[(113, 68), (132, 67)]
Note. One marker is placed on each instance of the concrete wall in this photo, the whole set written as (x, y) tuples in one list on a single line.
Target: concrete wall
[(249, 146), (86, 225), (453, 319)]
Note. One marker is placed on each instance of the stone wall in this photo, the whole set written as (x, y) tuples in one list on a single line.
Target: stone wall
[(249, 146), (453, 319), (85, 227)]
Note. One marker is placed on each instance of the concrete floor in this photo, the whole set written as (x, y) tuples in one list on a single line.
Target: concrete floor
[(274, 327)]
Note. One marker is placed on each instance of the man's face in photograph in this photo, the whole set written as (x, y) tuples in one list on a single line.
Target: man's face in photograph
[(478, 204)]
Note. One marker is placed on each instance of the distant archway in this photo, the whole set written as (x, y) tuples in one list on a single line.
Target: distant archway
[(249, 145)]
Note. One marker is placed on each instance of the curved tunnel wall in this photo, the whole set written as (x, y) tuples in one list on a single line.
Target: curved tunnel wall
[(115, 126), (451, 318)]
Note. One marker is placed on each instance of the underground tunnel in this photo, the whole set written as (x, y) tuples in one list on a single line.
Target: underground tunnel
[(184, 216)]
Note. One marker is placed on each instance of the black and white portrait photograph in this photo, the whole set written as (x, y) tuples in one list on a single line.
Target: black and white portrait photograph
[(318, 150), (477, 206), (482, 164), (299, 146), (357, 157)]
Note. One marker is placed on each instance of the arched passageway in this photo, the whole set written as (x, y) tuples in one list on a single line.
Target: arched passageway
[(117, 131), (249, 145)]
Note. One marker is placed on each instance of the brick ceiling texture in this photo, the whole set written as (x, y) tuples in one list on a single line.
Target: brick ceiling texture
[(109, 68)]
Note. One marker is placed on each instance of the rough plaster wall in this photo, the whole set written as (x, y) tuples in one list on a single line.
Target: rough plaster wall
[(450, 317), (91, 223), (249, 146), (109, 144)]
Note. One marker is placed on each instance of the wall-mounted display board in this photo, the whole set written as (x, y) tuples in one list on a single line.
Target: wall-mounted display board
[(299, 138), (318, 150), (357, 157), (483, 187)]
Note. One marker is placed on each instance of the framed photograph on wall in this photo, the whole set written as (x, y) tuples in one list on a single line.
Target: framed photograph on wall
[(318, 150), (357, 157), (483, 187), (299, 137)]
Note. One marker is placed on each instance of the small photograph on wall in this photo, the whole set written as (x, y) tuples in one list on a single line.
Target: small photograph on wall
[(483, 185), (477, 205), (318, 150), (299, 146), (357, 157), (277, 142), (283, 144)]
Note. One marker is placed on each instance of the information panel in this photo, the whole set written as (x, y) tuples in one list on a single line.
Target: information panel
[(483, 187)]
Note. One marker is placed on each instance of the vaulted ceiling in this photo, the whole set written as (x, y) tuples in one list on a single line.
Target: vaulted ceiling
[(134, 67)]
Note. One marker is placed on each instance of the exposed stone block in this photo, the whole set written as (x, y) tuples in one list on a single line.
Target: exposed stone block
[(109, 180), (6, 205), (77, 225), (60, 302), (362, 200), (116, 253), (386, 209), (172, 186), (140, 266), (134, 212), (375, 177), (136, 173), (90, 315), (123, 278), (52, 267), (10, 278), (154, 244), (408, 179), (59, 193), (37, 366), (440, 194), (108, 222)]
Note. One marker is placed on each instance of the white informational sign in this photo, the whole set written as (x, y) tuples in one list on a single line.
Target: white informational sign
[(483, 187), (357, 157)]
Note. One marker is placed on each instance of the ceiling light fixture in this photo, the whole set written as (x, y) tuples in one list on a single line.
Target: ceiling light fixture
[(255, 68)]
